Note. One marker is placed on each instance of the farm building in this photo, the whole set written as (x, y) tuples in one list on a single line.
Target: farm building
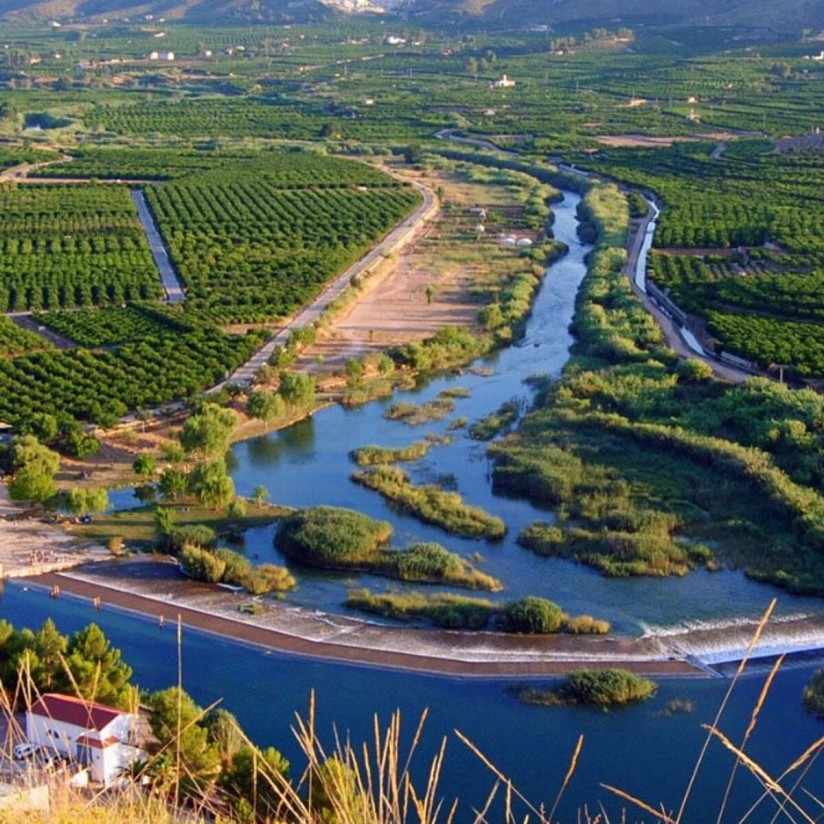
[(101, 738)]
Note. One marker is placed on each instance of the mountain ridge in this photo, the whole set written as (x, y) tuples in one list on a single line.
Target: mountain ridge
[(786, 16)]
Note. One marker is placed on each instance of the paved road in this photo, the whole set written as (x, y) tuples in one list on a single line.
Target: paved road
[(168, 276), (399, 237)]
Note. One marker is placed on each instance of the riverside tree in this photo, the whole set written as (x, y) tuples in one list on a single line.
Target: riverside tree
[(212, 484), (266, 406), (95, 670), (84, 664), (34, 466), (298, 391), (208, 431), (84, 501)]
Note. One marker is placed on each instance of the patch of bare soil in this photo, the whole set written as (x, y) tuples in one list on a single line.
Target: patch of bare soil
[(407, 303), (630, 140), (424, 289)]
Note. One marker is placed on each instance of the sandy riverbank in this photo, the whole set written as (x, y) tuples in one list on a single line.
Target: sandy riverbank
[(154, 589)]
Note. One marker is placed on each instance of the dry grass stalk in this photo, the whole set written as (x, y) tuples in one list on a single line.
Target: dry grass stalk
[(660, 816), (570, 770), (741, 666), (806, 760), (767, 781), (511, 790), (375, 787), (765, 690)]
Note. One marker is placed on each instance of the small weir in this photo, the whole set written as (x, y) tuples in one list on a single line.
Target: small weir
[(719, 646)]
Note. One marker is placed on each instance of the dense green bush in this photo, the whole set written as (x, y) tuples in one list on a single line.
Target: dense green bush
[(606, 687), (599, 688), (327, 536), (535, 616), (813, 697)]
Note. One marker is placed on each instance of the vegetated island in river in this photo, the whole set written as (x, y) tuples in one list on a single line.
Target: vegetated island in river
[(527, 616), (598, 688), (431, 503), (336, 538)]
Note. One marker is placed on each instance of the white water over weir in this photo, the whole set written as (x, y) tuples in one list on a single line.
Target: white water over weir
[(168, 277), (712, 643)]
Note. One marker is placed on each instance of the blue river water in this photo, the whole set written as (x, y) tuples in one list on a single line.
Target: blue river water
[(647, 750)]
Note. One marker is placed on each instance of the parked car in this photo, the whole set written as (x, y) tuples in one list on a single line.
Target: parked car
[(25, 750)]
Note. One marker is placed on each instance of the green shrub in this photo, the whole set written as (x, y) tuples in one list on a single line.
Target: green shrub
[(813, 697), (536, 616), (267, 578), (198, 535), (201, 564), (327, 536), (606, 687)]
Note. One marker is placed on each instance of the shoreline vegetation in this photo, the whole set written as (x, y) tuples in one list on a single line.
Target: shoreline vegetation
[(604, 689), (431, 503), (459, 612), (654, 469), (373, 454)]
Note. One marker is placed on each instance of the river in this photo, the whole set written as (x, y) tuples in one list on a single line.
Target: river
[(310, 464), (647, 750)]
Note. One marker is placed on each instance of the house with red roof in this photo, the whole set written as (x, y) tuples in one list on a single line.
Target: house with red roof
[(102, 739)]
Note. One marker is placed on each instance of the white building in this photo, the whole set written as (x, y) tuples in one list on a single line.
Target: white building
[(98, 737), (504, 83)]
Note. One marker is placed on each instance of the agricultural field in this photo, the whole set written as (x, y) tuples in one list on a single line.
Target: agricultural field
[(100, 387), (738, 244), (65, 246), (11, 156), (115, 163), (17, 341), (112, 326), (255, 227), (254, 117), (257, 240)]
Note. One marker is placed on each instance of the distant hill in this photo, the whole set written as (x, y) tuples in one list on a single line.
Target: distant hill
[(209, 11), (776, 15)]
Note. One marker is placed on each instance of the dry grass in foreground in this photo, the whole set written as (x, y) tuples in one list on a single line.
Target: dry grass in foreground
[(372, 783)]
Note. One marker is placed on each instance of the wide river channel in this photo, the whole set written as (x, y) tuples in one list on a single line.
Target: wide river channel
[(647, 750)]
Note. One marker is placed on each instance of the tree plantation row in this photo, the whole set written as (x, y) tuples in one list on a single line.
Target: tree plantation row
[(738, 243), (249, 250), (100, 387)]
